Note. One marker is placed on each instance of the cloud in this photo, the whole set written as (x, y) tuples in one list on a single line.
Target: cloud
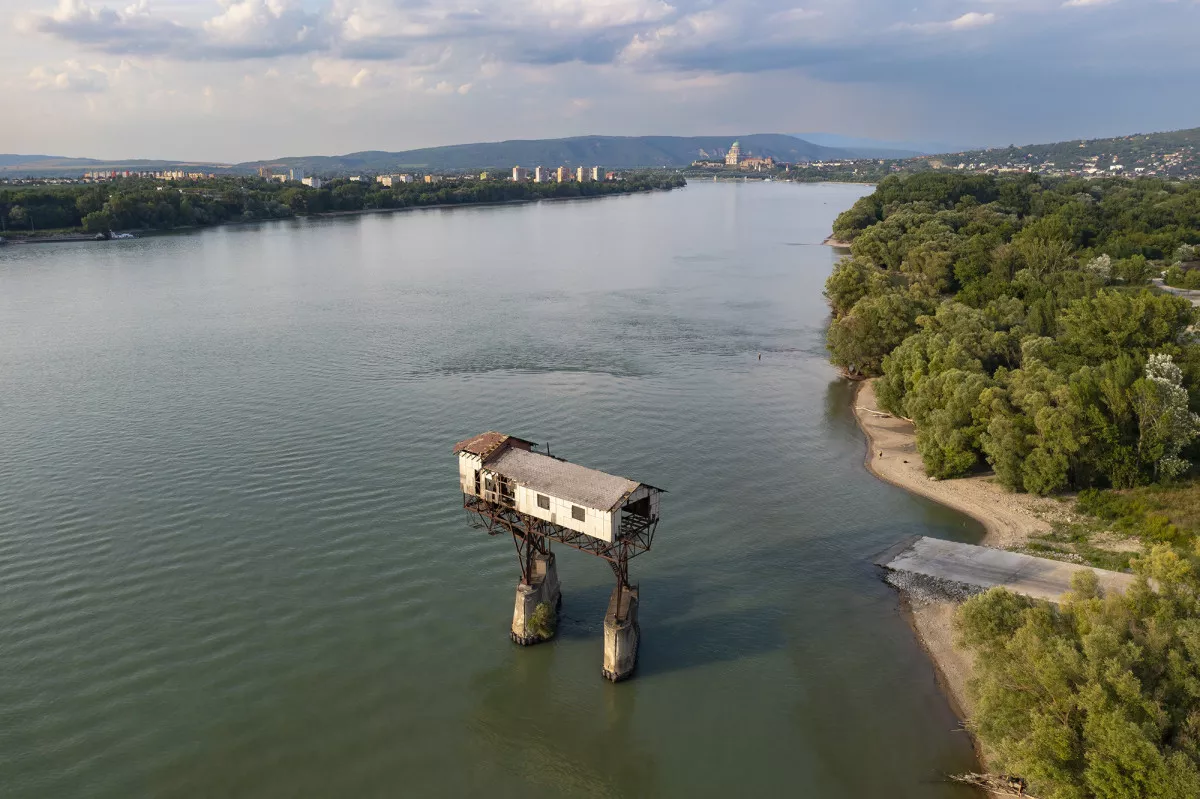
[(972, 19), (792, 15), (72, 77), (130, 32), (243, 29), (347, 74), (1085, 3), (686, 35), (498, 46), (968, 21), (518, 31), (334, 75), (260, 29)]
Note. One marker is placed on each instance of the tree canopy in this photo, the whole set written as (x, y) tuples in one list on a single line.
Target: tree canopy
[(1012, 320), (148, 204), (1099, 697)]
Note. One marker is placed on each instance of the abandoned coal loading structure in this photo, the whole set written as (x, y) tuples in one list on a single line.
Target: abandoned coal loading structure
[(510, 487)]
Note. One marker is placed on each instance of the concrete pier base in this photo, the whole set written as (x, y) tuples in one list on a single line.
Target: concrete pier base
[(621, 637), (543, 588)]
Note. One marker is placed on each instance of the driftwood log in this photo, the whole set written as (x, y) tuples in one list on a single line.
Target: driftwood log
[(881, 413), (1002, 784)]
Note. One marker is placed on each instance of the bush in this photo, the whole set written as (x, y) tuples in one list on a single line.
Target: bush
[(543, 622), (1097, 697)]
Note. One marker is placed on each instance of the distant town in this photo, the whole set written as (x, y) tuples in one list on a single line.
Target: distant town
[(520, 174), (103, 204), (1170, 155), (1173, 155)]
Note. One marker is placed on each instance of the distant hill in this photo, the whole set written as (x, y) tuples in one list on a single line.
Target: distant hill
[(874, 148), (57, 165), (619, 152), (1171, 153), (15, 160)]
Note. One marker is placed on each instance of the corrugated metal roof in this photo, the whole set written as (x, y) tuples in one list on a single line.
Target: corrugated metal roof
[(570, 481)]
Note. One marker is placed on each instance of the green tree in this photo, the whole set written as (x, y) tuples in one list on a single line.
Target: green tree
[(1166, 425), (1099, 697), (956, 336), (1104, 393), (950, 420), (859, 339), (1134, 270), (851, 280), (1103, 326), (98, 222), (89, 202), (857, 218), (1035, 430)]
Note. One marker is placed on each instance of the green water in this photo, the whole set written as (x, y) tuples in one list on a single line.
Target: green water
[(233, 561)]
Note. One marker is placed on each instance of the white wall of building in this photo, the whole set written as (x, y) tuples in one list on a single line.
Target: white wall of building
[(467, 464), (596, 523)]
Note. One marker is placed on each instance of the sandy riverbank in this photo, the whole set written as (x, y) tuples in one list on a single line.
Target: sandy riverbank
[(1010, 520)]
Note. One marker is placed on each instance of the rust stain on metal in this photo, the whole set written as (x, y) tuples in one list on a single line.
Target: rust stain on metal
[(486, 444)]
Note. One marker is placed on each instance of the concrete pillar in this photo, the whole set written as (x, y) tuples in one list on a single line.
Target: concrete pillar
[(621, 637), (543, 587)]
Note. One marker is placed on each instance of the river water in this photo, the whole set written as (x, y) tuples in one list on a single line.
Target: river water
[(233, 559)]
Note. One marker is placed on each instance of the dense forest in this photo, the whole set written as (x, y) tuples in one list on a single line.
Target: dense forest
[(1011, 320), (147, 204)]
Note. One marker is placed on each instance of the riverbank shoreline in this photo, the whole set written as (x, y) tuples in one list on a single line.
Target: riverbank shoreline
[(75, 238), (1009, 520), (932, 621)]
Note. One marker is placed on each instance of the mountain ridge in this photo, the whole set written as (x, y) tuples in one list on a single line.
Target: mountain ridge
[(618, 152), (625, 152)]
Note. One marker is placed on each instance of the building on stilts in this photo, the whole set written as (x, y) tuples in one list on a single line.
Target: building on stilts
[(509, 487)]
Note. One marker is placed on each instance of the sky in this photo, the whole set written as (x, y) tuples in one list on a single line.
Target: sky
[(238, 80)]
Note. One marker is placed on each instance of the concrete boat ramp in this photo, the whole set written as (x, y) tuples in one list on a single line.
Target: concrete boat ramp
[(984, 567)]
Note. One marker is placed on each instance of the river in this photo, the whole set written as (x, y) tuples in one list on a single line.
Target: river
[(234, 562)]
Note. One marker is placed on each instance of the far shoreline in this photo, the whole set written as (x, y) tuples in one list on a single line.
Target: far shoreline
[(85, 238)]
